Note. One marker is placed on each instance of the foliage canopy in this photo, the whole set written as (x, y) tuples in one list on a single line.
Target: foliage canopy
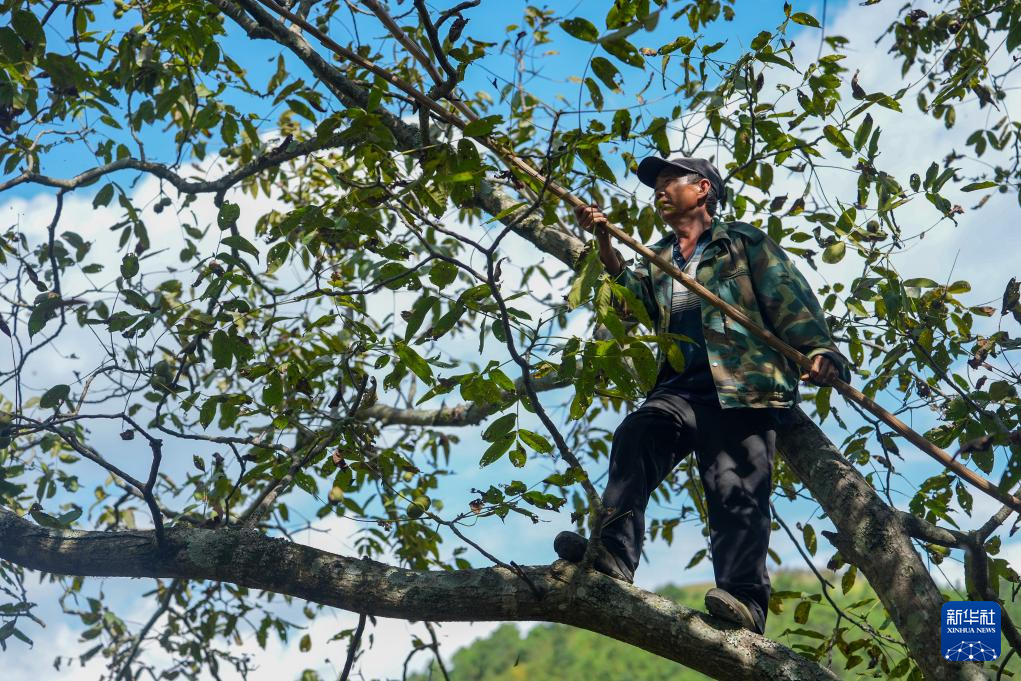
[(259, 382)]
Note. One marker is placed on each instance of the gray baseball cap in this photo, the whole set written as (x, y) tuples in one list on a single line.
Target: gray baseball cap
[(649, 169)]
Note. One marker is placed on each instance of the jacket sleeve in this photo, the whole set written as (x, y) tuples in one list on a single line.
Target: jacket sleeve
[(640, 286), (790, 307)]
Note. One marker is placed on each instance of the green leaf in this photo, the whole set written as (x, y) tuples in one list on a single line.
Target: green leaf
[(242, 244), (306, 482), (43, 311), (801, 612), (770, 58), (66, 519), (624, 51), (447, 321), (129, 266), (517, 458), (943, 178), (862, 135), (413, 361), (597, 96), (273, 393), (580, 28), (417, 315), (228, 215), (658, 132), (607, 315), (975, 186), (608, 73), (222, 355), (135, 299), (497, 449), (696, 559), (836, 138), (621, 126), (278, 254), (884, 100), (210, 57), (12, 49), (302, 109), (29, 29), (808, 532), (103, 196), (482, 126), (442, 273), (710, 49), (208, 411), (595, 161), (675, 356), (581, 287), (535, 441), (805, 19), (847, 581), (634, 305), (500, 427), (395, 275), (503, 380), (683, 43), (54, 396), (1014, 34), (550, 502)]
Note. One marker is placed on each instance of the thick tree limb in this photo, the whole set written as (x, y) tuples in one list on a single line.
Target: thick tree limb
[(871, 535), (251, 559)]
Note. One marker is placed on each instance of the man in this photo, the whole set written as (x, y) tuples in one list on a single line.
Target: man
[(720, 392)]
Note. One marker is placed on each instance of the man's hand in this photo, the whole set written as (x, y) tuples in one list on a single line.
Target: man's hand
[(823, 371), (592, 218)]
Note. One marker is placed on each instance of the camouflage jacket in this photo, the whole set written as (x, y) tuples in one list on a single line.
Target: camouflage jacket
[(747, 269)]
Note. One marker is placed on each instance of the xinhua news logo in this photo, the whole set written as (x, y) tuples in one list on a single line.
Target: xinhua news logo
[(970, 631)]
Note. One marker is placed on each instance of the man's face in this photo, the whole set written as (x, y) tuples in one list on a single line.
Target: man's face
[(675, 198)]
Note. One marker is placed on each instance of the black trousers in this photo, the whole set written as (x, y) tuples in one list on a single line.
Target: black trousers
[(734, 450)]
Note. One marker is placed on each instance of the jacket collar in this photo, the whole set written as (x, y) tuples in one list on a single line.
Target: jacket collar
[(717, 231)]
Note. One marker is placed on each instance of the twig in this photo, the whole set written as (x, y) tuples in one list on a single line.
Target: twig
[(436, 650), (164, 604), (352, 649)]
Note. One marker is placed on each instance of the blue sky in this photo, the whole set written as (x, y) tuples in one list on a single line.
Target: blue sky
[(516, 539)]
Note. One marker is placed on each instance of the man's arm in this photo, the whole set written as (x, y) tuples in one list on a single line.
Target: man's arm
[(616, 266), (791, 308)]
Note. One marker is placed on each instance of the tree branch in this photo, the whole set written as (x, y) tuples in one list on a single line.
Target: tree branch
[(260, 24), (184, 185), (469, 414), (251, 559), (871, 536)]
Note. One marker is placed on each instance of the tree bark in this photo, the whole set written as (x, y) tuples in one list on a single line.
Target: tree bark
[(250, 558), (870, 535)]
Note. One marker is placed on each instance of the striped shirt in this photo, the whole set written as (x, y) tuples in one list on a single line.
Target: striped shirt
[(696, 381)]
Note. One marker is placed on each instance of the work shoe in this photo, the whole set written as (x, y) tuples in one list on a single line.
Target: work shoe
[(571, 547), (722, 604)]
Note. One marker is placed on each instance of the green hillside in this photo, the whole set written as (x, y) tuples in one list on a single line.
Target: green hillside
[(553, 652)]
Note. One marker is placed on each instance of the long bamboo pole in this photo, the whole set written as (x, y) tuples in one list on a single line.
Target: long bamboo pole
[(845, 389)]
